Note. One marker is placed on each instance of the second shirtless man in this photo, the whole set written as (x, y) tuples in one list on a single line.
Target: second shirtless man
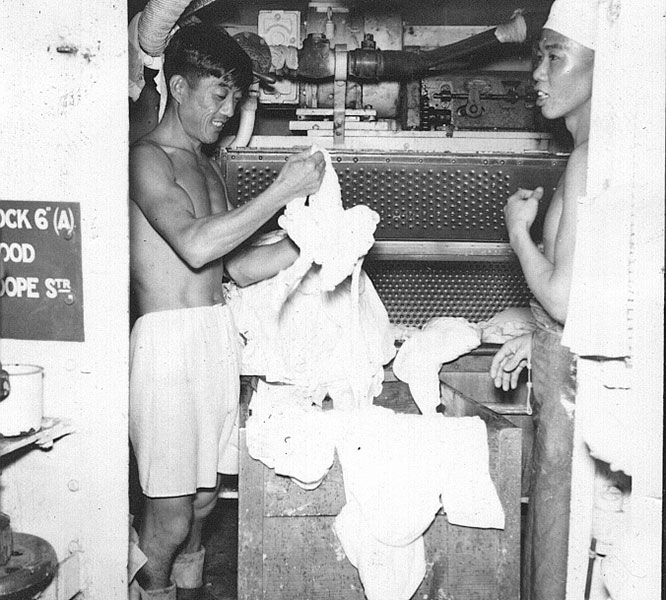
[(563, 82)]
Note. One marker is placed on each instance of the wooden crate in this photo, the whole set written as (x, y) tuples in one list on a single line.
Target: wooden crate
[(470, 375), (287, 550)]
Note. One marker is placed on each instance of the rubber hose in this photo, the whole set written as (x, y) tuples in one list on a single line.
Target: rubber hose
[(156, 22)]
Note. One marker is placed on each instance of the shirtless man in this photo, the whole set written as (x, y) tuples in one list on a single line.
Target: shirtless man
[(184, 379), (563, 78)]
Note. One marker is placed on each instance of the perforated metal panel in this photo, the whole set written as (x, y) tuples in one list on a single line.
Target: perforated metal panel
[(415, 292), (418, 196), (429, 198)]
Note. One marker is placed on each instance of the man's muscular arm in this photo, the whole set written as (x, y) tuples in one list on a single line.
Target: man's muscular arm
[(256, 263), (550, 281), (199, 240)]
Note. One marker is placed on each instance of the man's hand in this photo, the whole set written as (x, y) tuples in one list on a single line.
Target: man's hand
[(301, 175), (521, 210), (510, 360)]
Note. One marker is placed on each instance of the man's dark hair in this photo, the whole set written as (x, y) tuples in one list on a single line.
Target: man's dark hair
[(203, 50)]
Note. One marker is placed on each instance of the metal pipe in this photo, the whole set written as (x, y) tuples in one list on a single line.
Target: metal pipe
[(316, 59)]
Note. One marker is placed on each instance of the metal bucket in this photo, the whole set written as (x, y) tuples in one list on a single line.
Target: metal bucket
[(21, 400)]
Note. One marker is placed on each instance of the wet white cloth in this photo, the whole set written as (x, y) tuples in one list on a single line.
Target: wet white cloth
[(312, 326), (320, 342), (184, 390), (399, 470), (289, 434), (506, 325), (386, 571), (577, 19), (420, 358), (328, 234)]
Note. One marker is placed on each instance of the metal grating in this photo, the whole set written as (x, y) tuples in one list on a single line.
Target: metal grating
[(415, 292), (429, 198), (449, 197)]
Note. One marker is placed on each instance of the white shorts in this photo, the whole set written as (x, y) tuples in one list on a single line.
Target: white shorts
[(184, 394)]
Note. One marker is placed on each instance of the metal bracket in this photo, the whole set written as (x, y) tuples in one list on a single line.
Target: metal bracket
[(339, 94)]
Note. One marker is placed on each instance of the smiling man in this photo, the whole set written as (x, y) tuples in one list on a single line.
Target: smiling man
[(563, 76), (184, 363)]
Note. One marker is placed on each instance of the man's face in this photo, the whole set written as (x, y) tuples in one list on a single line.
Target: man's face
[(563, 75), (207, 106)]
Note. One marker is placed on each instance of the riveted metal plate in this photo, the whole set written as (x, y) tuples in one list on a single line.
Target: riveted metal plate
[(415, 292), (454, 197)]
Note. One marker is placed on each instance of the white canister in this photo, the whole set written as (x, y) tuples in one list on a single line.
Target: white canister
[(21, 411)]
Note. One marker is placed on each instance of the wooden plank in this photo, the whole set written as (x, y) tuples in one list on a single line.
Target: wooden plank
[(461, 562), (304, 559), (479, 385), (508, 484), (51, 430), (283, 497), (395, 395), (459, 405), (250, 524)]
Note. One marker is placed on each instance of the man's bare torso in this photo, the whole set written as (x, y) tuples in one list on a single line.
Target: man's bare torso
[(161, 280)]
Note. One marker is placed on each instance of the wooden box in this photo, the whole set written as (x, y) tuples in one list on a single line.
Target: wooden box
[(287, 550)]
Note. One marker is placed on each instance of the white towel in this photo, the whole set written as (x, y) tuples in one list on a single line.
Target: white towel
[(399, 470), (420, 358), (310, 326), (331, 236), (386, 571), (288, 434), (313, 340)]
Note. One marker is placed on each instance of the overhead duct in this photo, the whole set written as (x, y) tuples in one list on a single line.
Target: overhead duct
[(156, 23)]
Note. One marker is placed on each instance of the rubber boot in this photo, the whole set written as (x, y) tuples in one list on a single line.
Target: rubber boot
[(187, 574), (167, 593)]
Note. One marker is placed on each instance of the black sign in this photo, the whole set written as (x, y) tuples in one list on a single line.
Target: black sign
[(41, 289)]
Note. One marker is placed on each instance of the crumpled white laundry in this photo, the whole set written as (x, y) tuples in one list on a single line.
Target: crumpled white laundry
[(420, 358), (507, 324), (398, 471), (319, 342), (386, 571), (324, 231), (310, 326), (287, 433)]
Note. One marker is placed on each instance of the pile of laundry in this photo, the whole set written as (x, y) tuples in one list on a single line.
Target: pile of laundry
[(399, 470), (319, 325)]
